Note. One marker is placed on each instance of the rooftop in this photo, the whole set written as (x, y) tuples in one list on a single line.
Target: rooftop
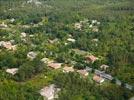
[(12, 71), (55, 65), (31, 55), (68, 69), (49, 92), (91, 58), (83, 72), (98, 79)]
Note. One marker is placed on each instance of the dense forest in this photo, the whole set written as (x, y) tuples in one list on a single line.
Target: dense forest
[(104, 28)]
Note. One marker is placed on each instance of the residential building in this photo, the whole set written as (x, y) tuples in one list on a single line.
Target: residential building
[(98, 79), (31, 55), (12, 71), (54, 65), (67, 69), (8, 45), (91, 58), (23, 34), (46, 60), (71, 40), (104, 66), (3, 25), (77, 25), (49, 92), (83, 72)]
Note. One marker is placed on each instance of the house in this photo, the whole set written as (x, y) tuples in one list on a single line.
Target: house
[(77, 25), (66, 43), (71, 40), (8, 45), (98, 23), (31, 35), (95, 40), (49, 92), (104, 66), (12, 71), (46, 60), (94, 21), (14, 47), (67, 69), (54, 65), (91, 58), (95, 29), (31, 55), (12, 20), (23, 34), (3, 25), (53, 41), (98, 79), (83, 72)]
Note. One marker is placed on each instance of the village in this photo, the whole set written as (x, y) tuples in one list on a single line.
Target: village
[(97, 76), (57, 50)]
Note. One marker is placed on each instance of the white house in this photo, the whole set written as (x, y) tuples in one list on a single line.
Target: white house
[(31, 55), (23, 34), (71, 40), (12, 71)]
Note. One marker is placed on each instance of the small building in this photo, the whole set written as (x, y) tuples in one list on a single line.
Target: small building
[(46, 60), (98, 79), (77, 25), (98, 23), (31, 55), (3, 25), (90, 26), (54, 65), (49, 92), (12, 20), (95, 40), (53, 41), (67, 69), (8, 45), (83, 72), (12, 71), (71, 40), (95, 29), (91, 58), (104, 66), (94, 21), (31, 35), (23, 34)]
